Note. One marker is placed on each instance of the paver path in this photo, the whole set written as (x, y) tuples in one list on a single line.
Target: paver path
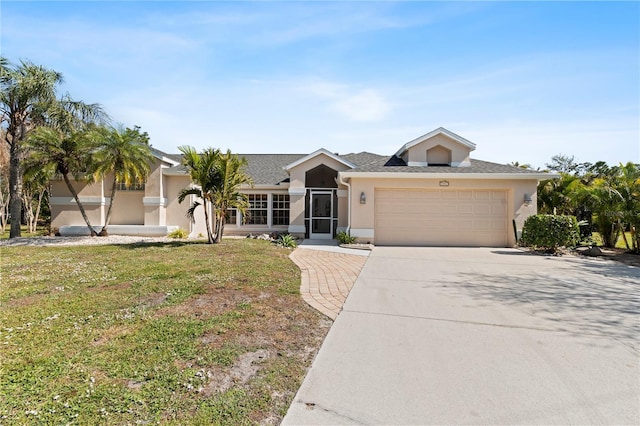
[(327, 278)]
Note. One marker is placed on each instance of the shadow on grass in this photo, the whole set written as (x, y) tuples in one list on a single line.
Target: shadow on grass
[(156, 244), (578, 296)]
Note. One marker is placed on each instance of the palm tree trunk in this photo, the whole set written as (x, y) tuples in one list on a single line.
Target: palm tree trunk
[(37, 215), (220, 229), (80, 206), (114, 188), (15, 188), (208, 224)]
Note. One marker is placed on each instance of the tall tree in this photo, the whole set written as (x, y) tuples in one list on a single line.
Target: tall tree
[(27, 91), (70, 153), (205, 177), (227, 195), (28, 100), (125, 154)]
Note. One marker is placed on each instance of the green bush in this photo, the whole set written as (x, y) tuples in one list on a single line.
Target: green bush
[(344, 238), (548, 232), (286, 240), (179, 234)]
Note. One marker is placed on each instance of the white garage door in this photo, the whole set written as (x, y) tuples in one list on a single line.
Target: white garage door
[(441, 217)]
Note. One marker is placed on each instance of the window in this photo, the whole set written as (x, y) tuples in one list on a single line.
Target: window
[(231, 217), (258, 209), (137, 186), (280, 209)]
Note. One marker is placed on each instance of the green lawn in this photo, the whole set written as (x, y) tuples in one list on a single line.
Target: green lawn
[(619, 244), (175, 333)]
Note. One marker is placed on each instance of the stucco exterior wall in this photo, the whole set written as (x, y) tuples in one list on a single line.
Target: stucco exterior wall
[(64, 210), (128, 208), (176, 213), (363, 215), (297, 174)]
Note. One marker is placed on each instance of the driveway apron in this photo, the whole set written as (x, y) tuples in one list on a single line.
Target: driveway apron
[(479, 336)]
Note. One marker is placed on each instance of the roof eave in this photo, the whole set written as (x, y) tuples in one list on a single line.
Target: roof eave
[(418, 175)]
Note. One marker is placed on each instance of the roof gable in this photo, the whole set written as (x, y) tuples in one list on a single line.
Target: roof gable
[(439, 131), (321, 151)]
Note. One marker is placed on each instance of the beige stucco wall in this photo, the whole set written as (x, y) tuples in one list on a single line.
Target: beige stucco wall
[(128, 208), (363, 215), (176, 212), (418, 153), (64, 210)]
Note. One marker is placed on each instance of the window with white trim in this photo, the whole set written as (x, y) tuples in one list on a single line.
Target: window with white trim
[(258, 209), (280, 209)]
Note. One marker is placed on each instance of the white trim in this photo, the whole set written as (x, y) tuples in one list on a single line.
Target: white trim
[(431, 134), (342, 193), (417, 164), (299, 229), (315, 154), (161, 157), (362, 232), (297, 191), (86, 201), (155, 201), (451, 176)]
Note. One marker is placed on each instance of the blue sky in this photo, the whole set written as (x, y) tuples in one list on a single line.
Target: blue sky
[(524, 81)]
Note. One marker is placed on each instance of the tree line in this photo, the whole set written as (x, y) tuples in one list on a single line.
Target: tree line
[(603, 198), (48, 135)]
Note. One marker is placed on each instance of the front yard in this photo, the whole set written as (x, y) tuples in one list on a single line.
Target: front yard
[(178, 333)]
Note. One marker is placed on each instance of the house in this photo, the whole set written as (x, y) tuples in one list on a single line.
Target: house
[(430, 192)]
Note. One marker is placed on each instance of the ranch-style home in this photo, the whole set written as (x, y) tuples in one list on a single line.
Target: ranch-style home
[(430, 192)]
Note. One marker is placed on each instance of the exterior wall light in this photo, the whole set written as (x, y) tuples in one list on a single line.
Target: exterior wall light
[(527, 200), (363, 198), (443, 183)]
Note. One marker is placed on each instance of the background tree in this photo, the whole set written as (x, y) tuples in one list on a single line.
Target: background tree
[(36, 186), (28, 100), (4, 184), (27, 91), (125, 154)]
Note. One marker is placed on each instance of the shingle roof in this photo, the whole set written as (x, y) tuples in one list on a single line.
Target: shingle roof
[(268, 169), (393, 164)]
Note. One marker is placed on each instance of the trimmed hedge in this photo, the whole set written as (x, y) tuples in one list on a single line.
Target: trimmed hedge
[(549, 232)]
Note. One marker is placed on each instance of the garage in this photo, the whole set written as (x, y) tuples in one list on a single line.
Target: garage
[(442, 217)]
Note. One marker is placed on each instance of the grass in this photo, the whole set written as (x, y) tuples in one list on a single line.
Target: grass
[(175, 333), (619, 244), (40, 231)]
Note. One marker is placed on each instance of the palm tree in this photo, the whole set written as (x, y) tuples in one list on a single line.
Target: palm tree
[(124, 153), (27, 91), (203, 170), (69, 153), (629, 188), (227, 195)]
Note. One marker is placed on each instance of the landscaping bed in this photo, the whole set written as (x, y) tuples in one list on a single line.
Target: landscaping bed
[(162, 332)]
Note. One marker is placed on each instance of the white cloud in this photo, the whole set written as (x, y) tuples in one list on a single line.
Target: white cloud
[(355, 104)]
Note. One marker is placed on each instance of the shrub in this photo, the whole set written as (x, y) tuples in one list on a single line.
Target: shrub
[(286, 240), (549, 232), (345, 238), (179, 233)]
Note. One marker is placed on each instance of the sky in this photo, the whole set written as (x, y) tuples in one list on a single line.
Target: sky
[(524, 81)]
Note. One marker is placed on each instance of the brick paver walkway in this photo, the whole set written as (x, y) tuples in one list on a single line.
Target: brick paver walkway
[(327, 278)]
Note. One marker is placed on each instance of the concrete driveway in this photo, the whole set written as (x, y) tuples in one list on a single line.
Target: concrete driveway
[(479, 336)]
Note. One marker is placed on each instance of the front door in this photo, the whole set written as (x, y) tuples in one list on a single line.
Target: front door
[(321, 217)]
